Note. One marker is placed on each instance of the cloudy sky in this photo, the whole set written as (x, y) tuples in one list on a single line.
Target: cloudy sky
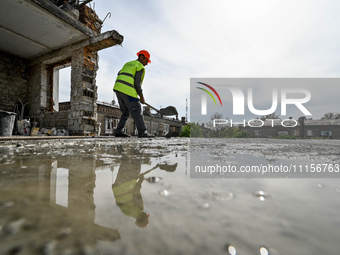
[(219, 38)]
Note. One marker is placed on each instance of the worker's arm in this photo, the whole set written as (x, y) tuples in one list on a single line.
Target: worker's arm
[(138, 85)]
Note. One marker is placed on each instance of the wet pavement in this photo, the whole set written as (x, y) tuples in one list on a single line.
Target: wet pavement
[(140, 196)]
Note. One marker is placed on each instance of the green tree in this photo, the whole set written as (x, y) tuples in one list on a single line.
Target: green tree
[(230, 132), (235, 132), (285, 137), (185, 131), (330, 115), (218, 129), (195, 130), (271, 116), (242, 134), (191, 130)]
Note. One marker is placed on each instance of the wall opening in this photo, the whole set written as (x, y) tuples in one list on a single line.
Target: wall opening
[(61, 84)]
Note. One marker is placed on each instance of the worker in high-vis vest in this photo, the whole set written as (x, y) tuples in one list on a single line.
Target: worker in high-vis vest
[(128, 88), (127, 187), (129, 200)]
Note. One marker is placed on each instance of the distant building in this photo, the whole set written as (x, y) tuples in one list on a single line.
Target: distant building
[(109, 115), (303, 128), (320, 128)]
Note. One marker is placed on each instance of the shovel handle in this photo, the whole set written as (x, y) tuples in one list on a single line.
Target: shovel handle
[(151, 107)]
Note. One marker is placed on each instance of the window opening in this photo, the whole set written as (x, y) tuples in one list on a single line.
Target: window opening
[(61, 84)]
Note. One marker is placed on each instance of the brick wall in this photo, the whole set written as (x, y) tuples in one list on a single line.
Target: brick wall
[(39, 83), (90, 19), (83, 114), (317, 129), (58, 120), (33, 81), (13, 81)]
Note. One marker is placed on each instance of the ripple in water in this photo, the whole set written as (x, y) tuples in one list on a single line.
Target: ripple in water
[(231, 250), (262, 195)]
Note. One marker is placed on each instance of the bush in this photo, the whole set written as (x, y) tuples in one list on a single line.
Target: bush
[(185, 131), (285, 137), (242, 134), (191, 130), (235, 132)]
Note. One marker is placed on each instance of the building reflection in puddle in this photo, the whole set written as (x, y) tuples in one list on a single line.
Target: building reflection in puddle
[(59, 185)]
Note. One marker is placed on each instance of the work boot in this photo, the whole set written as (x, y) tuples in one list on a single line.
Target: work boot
[(121, 135), (146, 135)]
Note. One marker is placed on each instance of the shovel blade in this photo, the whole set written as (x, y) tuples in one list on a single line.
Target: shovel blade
[(168, 111)]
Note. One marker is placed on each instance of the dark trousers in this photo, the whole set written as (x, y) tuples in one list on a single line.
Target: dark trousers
[(129, 105)]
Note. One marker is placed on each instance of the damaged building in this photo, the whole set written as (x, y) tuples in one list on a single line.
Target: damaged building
[(38, 38), (155, 123), (302, 128)]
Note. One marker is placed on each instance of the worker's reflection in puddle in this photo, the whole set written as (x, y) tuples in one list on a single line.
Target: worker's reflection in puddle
[(128, 184)]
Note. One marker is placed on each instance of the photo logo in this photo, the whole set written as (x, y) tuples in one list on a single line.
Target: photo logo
[(204, 98), (240, 99)]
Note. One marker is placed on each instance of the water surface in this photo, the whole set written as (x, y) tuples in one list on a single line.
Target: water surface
[(135, 196)]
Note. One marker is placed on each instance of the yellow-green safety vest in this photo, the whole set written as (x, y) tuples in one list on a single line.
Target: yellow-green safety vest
[(125, 198), (125, 80)]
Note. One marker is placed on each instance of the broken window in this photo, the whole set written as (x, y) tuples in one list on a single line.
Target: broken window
[(111, 124)]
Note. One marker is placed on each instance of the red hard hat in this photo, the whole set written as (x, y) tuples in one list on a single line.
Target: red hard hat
[(145, 53)]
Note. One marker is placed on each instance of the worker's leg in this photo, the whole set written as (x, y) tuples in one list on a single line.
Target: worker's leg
[(130, 105), (123, 105), (137, 115)]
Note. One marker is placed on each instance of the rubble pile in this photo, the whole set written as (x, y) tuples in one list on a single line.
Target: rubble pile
[(24, 128), (49, 132)]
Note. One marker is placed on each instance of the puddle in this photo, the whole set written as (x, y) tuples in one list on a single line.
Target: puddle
[(116, 196)]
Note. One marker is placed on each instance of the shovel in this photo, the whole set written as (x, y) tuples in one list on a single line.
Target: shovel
[(168, 111), (166, 167)]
